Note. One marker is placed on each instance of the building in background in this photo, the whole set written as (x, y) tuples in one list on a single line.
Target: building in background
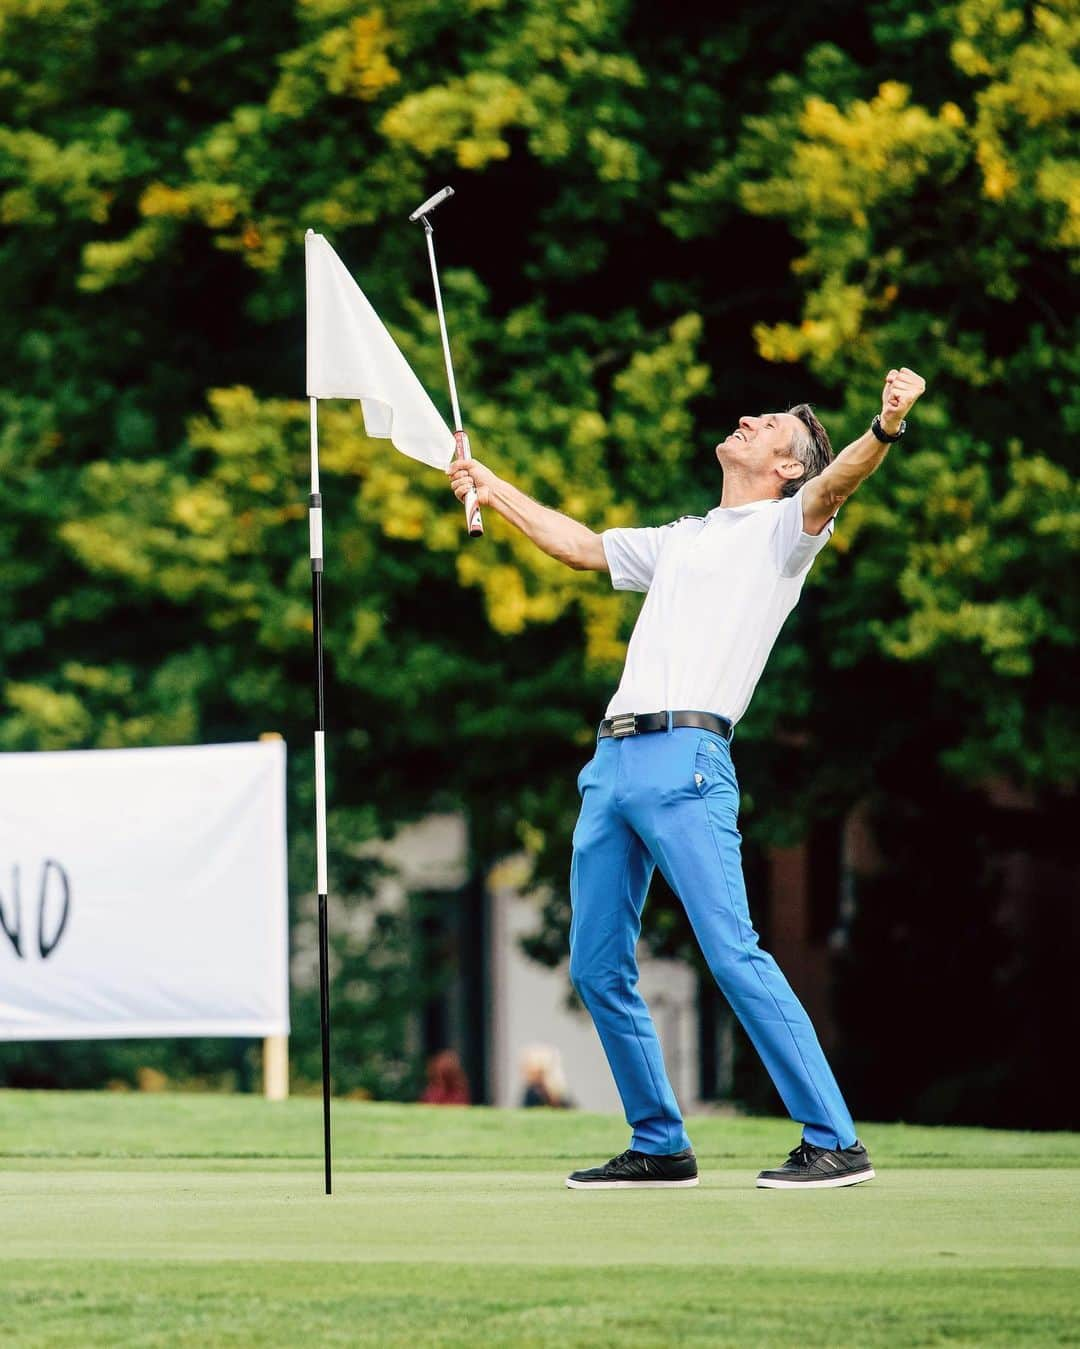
[(491, 1001), (530, 1002)]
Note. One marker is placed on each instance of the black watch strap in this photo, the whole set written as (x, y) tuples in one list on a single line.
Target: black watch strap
[(883, 435)]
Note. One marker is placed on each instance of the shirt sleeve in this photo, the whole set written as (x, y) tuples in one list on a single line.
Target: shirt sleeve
[(632, 555), (794, 550)]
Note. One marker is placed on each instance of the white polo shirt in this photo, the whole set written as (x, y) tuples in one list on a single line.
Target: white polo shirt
[(719, 590)]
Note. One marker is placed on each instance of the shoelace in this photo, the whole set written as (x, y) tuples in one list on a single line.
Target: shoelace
[(619, 1160), (804, 1155)]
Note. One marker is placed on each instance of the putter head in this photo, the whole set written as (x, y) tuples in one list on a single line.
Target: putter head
[(428, 206)]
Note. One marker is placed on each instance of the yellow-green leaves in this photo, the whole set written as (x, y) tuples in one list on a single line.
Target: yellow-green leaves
[(358, 57), (470, 117), (846, 168), (652, 413), (652, 235), (1027, 103), (46, 178), (43, 718), (351, 59)]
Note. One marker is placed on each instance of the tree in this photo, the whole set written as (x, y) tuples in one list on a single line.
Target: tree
[(653, 225)]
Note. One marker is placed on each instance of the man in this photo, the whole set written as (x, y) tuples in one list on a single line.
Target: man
[(661, 790)]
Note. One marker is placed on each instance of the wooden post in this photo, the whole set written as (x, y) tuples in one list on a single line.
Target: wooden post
[(276, 1068), (275, 1047)]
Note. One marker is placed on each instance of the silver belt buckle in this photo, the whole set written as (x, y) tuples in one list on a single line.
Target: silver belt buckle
[(624, 724)]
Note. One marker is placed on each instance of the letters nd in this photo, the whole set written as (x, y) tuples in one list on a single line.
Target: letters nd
[(54, 886)]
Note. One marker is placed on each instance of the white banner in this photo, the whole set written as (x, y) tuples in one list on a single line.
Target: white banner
[(143, 892)]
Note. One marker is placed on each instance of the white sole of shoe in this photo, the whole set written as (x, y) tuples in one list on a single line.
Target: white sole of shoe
[(832, 1184), (629, 1184)]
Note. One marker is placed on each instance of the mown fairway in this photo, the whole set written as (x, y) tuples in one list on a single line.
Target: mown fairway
[(199, 1220)]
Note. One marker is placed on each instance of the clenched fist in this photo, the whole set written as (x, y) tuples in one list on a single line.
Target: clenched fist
[(903, 388), (470, 473)]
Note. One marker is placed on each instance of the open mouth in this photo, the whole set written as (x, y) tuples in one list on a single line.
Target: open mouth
[(738, 435)]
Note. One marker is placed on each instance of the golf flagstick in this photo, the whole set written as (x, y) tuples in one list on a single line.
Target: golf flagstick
[(473, 519), (321, 882), (350, 354)]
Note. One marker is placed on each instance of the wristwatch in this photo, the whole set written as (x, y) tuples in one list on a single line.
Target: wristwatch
[(883, 435)]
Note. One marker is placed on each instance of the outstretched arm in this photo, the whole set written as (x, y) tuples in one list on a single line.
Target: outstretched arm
[(823, 496), (555, 534)]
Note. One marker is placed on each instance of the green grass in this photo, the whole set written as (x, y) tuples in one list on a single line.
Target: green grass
[(199, 1220)]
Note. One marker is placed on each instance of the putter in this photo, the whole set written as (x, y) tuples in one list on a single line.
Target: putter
[(473, 519)]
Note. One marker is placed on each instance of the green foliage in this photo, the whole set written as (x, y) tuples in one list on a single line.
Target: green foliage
[(655, 221)]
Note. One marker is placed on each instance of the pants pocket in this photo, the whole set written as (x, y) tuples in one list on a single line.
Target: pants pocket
[(713, 769)]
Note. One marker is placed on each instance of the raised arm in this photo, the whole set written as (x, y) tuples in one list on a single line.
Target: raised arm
[(823, 496), (555, 534)]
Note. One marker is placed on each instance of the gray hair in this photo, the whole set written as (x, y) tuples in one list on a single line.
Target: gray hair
[(811, 446)]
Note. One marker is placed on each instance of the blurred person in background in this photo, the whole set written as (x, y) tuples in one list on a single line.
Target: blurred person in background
[(542, 1073), (446, 1080)]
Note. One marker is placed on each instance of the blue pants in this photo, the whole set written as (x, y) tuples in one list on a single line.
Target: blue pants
[(671, 800)]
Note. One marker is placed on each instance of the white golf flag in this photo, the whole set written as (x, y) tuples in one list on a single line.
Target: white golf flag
[(351, 355)]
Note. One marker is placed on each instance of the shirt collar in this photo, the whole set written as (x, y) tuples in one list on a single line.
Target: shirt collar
[(763, 504)]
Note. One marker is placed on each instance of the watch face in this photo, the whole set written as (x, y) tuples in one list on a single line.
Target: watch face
[(883, 435)]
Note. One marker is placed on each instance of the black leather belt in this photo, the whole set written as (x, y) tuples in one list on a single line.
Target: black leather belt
[(641, 723)]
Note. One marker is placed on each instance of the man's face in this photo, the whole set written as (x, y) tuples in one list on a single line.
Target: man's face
[(762, 446)]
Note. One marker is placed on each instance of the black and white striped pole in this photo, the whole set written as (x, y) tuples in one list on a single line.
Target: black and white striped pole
[(321, 882)]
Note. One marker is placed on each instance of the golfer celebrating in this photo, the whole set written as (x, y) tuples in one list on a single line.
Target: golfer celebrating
[(661, 790)]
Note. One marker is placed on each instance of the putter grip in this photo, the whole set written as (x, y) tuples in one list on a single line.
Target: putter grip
[(474, 521)]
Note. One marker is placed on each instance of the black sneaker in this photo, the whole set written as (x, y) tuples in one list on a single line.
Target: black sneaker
[(639, 1171), (811, 1168)]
